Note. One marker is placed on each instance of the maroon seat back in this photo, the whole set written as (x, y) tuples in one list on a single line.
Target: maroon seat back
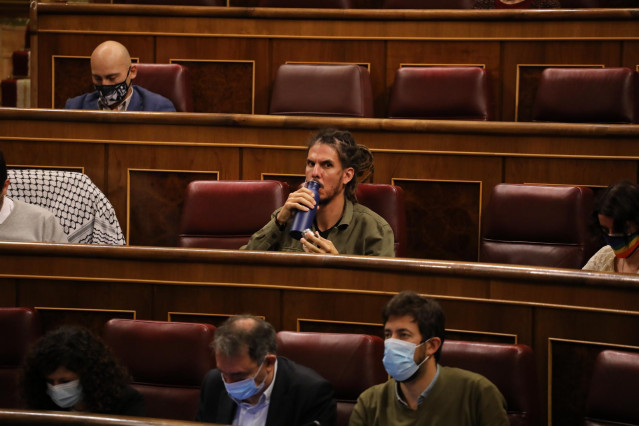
[(172, 81), (350, 362), (315, 4), (510, 367), (428, 4), (388, 202), (587, 95), (453, 93), (167, 361), (224, 214), (612, 396), (19, 329), (322, 90), (538, 225), (175, 2)]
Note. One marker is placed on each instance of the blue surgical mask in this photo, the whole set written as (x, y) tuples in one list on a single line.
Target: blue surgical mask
[(398, 359), (65, 395), (244, 389)]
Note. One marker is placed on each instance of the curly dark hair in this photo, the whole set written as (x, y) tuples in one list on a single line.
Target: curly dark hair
[(78, 350), (350, 154)]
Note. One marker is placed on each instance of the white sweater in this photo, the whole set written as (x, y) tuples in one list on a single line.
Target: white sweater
[(29, 223)]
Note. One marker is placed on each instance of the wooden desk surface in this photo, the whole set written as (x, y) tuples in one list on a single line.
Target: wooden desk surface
[(28, 417)]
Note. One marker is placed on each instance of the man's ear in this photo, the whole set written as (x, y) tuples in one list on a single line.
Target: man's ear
[(348, 175), (433, 345), (270, 359), (134, 71)]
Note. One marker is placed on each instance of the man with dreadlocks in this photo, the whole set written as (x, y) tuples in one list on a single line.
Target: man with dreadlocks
[(341, 225)]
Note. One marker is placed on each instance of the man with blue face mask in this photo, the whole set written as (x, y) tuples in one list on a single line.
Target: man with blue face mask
[(112, 74), (252, 386), (420, 391)]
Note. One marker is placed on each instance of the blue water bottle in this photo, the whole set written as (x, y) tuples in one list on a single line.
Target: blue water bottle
[(304, 220)]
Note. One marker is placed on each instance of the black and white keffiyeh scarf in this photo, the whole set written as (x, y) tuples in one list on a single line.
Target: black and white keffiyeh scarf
[(85, 213)]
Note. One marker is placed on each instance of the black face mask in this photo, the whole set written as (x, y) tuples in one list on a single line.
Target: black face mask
[(113, 94)]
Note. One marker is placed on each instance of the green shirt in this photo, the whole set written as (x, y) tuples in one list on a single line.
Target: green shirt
[(458, 397), (359, 231)]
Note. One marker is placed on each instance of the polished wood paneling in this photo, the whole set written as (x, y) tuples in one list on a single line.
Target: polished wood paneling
[(568, 382), (71, 77), (170, 168), (8, 292), (443, 218), (226, 83), (219, 299), (568, 171), (155, 202), (93, 319), (31, 418), (221, 86), (87, 157)]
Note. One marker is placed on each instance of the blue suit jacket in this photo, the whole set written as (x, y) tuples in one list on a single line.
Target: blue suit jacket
[(141, 100)]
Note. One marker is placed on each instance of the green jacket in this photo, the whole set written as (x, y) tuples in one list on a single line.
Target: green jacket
[(359, 231)]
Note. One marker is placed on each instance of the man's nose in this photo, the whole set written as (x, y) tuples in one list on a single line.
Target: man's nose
[(316, 170)]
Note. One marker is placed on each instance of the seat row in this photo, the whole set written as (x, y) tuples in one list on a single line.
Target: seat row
[(168, 360), (588, 95), (595, 95), (523, 224), (536, 225)]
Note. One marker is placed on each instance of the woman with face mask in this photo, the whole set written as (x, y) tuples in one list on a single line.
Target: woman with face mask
[(70, 369), (617, 216)]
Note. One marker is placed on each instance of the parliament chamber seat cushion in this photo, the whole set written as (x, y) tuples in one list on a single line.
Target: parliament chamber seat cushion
[(538, 225), (450, 93), (166, 360), (173, 81), (350, 362), (85, 213), (174, 2), (587, 95), (428, 4), (510, 367), (224, 214), (388, 202), (19, 329), (322, 90), (612, 395), (315, 4)]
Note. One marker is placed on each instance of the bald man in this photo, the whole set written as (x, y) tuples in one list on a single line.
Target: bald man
[(112, 73)]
